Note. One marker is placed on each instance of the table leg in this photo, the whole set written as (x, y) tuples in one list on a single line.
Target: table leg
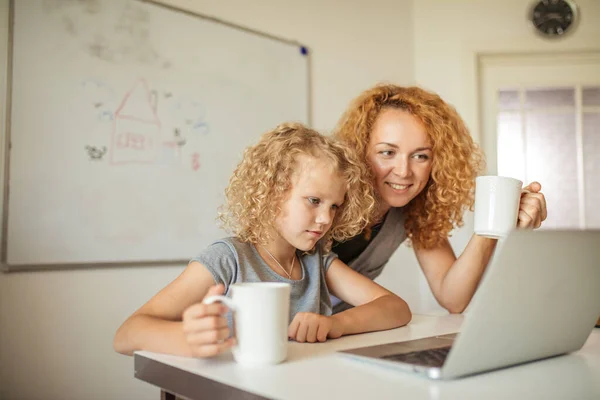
[(164, 395)]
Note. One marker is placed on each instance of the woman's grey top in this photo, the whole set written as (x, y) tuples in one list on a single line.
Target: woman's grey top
[(371, 261)]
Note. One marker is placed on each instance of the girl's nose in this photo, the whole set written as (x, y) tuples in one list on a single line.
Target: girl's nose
[(324, 217)]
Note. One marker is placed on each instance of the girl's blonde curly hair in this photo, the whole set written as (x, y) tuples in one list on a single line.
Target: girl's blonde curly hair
[(263, 179), (457, 160)]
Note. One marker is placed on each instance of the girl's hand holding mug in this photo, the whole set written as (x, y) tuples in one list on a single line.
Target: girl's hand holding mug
[(205, 328), (311, 327)]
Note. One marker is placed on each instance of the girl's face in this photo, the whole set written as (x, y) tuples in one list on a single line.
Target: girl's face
[(307, 214), (400, 156)]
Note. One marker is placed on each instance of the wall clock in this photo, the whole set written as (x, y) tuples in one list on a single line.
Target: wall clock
[(554, 18)]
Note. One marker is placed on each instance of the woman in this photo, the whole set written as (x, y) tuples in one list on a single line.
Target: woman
[(423, 163)]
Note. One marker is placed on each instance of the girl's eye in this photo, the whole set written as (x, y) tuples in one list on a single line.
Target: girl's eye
[(334, 206), (314, 200)]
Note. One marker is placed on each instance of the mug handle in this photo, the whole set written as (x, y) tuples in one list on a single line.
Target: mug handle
[(223, 299), (229, 303)]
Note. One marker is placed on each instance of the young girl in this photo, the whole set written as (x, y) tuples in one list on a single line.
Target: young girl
[(292, 194)]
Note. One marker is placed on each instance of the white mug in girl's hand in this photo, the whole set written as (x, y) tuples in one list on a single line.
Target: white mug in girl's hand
[(260, 321), (497, 201)]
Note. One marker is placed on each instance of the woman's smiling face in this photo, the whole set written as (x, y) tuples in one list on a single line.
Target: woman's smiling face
[(400, 156)]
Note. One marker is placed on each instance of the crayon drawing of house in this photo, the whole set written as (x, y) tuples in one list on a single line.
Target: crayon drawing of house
[(136, 134)]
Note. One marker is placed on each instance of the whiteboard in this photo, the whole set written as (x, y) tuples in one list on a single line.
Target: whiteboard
[(127, 119)]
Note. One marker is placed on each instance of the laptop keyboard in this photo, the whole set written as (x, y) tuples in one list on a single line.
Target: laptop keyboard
[(427, 358)]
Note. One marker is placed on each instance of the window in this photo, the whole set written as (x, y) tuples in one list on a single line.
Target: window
[(552, 135)]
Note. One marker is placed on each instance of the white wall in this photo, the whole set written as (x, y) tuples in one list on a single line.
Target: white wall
[(56, 328)]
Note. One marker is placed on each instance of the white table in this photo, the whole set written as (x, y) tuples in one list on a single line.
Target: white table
[(316, 371)]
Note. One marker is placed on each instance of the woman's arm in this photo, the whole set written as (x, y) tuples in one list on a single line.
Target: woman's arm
[(454, 281), (375, 307), (175, 322)]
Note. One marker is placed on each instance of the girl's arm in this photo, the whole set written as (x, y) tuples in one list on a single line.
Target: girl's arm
[(375, 309), (175, 322)]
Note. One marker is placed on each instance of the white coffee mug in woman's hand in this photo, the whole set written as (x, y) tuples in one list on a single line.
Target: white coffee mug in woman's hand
[(260, 321), (497, 200)]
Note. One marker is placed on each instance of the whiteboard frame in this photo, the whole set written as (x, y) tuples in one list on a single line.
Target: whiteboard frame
[(5, 144)]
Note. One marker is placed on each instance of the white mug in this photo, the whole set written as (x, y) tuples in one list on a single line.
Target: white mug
[(497, 200), (260, 321)]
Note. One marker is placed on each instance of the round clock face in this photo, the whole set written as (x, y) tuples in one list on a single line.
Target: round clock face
[(554, 18)]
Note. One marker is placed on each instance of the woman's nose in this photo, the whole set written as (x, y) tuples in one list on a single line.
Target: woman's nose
[(402, 167)]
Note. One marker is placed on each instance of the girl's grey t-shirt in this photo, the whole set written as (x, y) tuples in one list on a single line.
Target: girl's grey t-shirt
[(232, 261)]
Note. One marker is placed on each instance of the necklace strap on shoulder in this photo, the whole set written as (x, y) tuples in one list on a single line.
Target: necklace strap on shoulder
[(289, 274)]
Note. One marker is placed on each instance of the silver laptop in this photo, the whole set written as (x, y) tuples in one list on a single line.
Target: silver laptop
[(539, 297)]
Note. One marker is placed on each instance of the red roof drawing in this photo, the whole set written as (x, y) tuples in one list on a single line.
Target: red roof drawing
[(137, 104)]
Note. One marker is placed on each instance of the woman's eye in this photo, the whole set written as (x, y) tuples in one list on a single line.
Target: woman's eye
[(422, 157), (387, 153), (313, 200), (334, 206)]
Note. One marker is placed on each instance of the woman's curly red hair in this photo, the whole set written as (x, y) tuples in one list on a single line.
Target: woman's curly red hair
[(457, 160), (264, 177)]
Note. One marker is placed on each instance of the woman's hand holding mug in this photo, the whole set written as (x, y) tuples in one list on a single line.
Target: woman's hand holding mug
[(532, 207), (503, 204)]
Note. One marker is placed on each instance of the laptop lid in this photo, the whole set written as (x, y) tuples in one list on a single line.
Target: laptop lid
[(540, 297)]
